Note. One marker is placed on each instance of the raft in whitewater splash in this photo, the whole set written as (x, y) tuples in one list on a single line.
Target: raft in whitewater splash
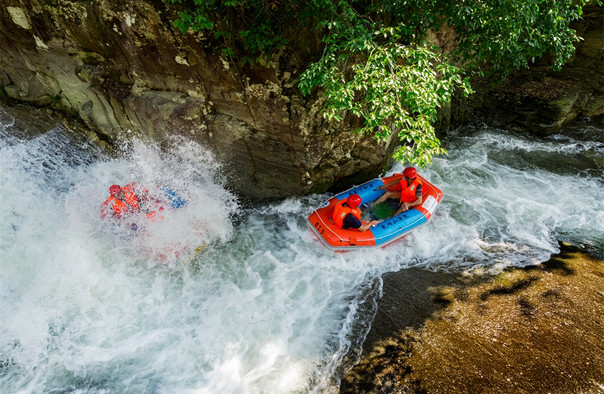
[(134, 213)]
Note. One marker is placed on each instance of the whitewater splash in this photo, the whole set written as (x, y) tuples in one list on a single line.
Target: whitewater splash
[(264, 308), (184, 170), (511, 198)]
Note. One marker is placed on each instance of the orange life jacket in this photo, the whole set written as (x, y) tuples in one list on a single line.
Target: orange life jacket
[(152, 215), (340, 211), (131, 198), (120, 207), (408, 191)]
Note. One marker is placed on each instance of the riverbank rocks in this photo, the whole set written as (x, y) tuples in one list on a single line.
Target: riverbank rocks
[(542, 101), (124, 70), (536, 329)]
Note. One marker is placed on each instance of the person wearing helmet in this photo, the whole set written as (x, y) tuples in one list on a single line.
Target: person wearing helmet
[(122, 201), (347, 214), (407, 191)]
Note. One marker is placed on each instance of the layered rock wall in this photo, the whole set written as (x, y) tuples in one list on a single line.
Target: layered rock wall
[(125, 70)]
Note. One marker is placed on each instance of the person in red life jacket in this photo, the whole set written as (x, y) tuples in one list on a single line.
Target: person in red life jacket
[(408, 191), (347, 214), (121, 202), (151, 206)]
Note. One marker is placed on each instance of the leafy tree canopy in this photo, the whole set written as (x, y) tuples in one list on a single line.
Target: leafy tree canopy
[(377, 62)]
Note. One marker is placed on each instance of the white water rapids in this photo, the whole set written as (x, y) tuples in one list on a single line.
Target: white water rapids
[(264, 308)]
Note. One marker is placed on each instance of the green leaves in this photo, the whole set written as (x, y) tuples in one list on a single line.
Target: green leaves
[(508, 35), (393, 87), (249, 29), (377, 64)]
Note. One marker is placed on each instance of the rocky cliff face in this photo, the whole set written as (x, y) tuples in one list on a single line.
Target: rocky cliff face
[(542, 101), (124, 70)]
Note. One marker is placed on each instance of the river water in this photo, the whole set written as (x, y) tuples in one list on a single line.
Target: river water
[(264, 308)]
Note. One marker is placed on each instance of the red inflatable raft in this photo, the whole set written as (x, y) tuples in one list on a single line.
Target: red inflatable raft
[(385, 233)]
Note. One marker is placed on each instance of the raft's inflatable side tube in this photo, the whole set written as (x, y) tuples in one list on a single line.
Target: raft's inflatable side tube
[(176, 201)]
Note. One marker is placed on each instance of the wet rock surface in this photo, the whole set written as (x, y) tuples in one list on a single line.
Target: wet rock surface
[(527, 330), (127, 72)]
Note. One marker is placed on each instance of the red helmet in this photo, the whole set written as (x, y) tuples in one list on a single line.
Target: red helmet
[(354, 200), (114, 190), (410, 172)]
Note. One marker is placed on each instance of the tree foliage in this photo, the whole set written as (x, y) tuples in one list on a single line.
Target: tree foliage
[(377, 63)]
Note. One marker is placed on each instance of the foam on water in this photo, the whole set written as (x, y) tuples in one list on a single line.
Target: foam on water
[(509, 199), (264, 308)]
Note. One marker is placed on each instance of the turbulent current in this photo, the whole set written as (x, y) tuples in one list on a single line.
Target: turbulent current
[(263, 308)]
